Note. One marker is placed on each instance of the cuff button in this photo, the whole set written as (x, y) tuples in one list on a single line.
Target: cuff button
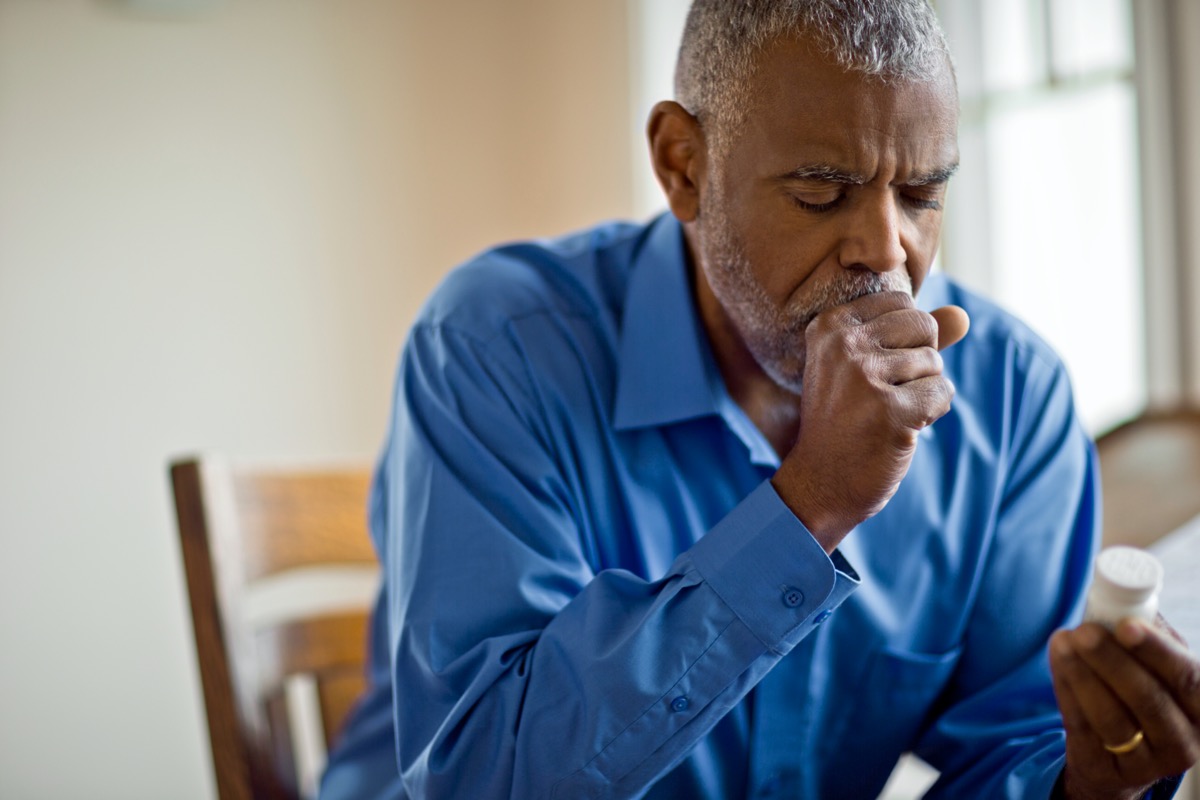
[(792, 596)]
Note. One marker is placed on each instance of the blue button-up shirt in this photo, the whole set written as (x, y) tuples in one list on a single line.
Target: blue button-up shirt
[(591, 588)]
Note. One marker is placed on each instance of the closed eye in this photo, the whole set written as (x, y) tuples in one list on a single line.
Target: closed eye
[(922, 203), (926, 192), (818, 207)]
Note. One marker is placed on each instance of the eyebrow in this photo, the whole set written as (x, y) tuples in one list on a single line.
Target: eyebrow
[(824, 172), (831, 174), (939, 175)]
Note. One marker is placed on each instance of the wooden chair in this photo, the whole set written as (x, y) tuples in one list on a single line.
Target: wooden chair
[(281, 575)]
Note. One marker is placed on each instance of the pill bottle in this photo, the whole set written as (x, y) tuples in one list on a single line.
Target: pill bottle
[(1126, 584)]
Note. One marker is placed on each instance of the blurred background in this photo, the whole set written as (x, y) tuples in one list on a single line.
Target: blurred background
[(218, 217)]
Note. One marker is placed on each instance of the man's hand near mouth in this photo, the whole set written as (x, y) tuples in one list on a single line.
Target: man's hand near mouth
[(872, 380)]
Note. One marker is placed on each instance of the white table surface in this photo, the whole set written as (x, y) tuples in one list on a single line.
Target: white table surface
[(1180, 602), (1179, 553)]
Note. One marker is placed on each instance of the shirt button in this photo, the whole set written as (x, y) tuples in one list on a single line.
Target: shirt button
[(680, 703), (792, 596), (824, 615)]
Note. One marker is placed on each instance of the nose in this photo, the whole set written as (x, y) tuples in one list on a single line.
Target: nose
[(874, 238)]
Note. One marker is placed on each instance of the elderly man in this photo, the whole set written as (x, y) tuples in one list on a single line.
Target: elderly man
[(697, 509)]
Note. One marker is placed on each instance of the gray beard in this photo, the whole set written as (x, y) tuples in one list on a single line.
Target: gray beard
[(775, 334)]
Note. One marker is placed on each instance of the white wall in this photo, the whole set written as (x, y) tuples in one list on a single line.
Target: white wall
[(1187, 94), (213, 233), (655, 28)]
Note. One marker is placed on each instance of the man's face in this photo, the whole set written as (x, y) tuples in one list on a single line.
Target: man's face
[(832, 189)]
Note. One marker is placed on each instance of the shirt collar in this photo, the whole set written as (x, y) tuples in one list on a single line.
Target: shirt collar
[(666, 369)]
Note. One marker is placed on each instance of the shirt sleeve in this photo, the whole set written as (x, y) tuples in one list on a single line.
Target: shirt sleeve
[(998, 733), (520, 669)]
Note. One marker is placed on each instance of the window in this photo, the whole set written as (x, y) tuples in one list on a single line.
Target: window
[(1044, 215)]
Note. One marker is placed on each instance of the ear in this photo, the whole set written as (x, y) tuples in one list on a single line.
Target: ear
[(678, 154)]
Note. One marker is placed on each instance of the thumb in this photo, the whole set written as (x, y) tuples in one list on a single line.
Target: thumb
[(952, 323)]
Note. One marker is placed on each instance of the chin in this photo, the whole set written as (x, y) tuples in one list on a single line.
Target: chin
[(787, 373)]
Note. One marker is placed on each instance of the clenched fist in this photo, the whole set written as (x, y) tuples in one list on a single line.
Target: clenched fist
[(872, 380)]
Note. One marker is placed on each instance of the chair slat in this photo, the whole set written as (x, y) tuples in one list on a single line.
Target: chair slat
[(300, 519), (314, 645), (284, 780), (339, 690)]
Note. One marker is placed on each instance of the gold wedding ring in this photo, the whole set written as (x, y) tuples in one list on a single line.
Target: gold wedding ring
[(1121, 749)]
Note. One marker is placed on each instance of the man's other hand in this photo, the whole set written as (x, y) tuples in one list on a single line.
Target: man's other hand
[(872, 380), (1136, 693)]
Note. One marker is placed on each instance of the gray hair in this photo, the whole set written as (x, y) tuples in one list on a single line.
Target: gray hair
[(893, 40)]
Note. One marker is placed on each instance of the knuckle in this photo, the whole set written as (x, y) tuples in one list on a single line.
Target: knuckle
[(921, 363), (876, 368), (848, 342), (820, 324), (836, 318), (937, 364), (1073, 669), (894, 406), (1153, 705), (945, 391), (937, 399), (1058, 646), (927, 326), (1189, 682), (823, 326)]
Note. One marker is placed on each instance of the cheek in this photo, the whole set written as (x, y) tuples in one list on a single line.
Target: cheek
[(783, 254), (923, 237), (921, 252), (781, 267)]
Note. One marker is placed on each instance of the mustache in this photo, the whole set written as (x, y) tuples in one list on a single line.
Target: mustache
[(847, 288)]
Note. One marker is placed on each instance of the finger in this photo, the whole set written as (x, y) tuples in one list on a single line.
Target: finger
[(1085, 747), (1103, 710), (902, 329), (897, 367), (1074, 720), (1175, 667), (953, 324), (1141, 766), (921, 402), (1168, 730), (870, 306)]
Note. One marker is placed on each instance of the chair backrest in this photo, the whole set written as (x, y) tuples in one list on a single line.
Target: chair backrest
[(281, 574)]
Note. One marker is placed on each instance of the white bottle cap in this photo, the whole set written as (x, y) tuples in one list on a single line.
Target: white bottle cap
[(1128, 575)]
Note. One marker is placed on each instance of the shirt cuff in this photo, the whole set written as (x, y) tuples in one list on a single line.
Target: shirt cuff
[(766, 566)]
